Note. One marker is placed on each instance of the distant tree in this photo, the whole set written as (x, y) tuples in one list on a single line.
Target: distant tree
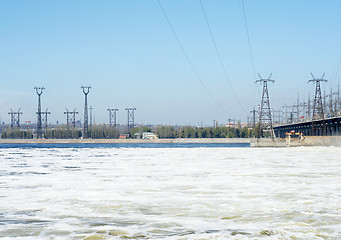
[(102, 131), (165, 132), (16, 133), (245, 132)]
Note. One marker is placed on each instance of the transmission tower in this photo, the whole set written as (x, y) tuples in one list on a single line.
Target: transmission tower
[(39, 91), (86, 91), (231, 122), (331, 105), (131, 117), (309, 108), (303, 105), (287, 118), (254, 111), (265, 112), (337, 101), (112, 116), (91, 108), (318, 112), (71, 118), (277, 116), (293, 113), (324, 101), (44, 118), (298, 108), (15, 118)]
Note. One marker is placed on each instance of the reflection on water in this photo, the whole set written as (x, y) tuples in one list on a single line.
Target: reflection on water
[(170, 193)]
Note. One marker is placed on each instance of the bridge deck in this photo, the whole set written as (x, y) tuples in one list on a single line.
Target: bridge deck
[(325, 127)]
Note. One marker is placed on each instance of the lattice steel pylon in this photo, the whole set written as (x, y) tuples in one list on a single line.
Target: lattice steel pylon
[(15, 118), (131, 118), (71, 118), (112, 116), (86, 91), (44, 118), (39, 91), (265, 111), (254, 111), (318, 112)]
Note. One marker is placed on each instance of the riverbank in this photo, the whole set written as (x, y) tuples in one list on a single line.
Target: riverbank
[(108, 141), (254, 142)]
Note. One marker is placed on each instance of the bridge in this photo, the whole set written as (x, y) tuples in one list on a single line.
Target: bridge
[(322, 127)]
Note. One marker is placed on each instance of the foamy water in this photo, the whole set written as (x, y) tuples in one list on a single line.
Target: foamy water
[(170, 193)]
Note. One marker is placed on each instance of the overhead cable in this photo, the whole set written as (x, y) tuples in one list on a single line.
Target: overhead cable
[(219, 56), (188, 59), (249, 44)]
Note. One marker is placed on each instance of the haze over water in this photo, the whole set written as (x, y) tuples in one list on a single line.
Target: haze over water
[(170, 193)]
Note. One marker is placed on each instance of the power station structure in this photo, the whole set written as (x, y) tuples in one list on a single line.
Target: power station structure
[(265, 119), (71, 118), (86, 90), (318, 113), (90, 130), (44, 118), (112, 116), (254, 111), (15, 118), (39, 91), (318, 117), (131, 117)]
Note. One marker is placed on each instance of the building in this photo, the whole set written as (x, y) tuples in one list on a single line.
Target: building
[(149, 135), (124, 136)]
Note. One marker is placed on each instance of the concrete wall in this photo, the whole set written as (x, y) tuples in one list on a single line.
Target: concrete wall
[(306, 141), (322, 141), (267, 142)]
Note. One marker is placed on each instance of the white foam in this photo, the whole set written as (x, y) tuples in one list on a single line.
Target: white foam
[(175, 193)]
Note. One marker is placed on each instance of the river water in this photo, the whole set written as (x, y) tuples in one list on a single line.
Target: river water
[(164, 192)]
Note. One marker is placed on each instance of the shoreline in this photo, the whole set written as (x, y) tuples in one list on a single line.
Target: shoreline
[(307, 141), (254, 142), (108, 141)]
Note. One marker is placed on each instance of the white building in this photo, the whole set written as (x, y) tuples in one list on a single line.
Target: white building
[(149, 135)]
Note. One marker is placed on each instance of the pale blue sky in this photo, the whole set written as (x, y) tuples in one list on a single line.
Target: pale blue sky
[(128, 53)]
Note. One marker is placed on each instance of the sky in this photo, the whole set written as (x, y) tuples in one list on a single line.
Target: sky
[(174, 68)]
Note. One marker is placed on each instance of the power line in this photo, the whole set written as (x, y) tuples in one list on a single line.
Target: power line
[(188, 59), (219, 56), (248, 39), (249, 43), (337, 71)]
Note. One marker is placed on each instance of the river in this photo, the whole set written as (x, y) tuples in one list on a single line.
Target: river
[(167, 192)]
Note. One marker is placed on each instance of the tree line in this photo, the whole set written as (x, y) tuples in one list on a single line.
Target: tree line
[(205, 132), (101, 131)]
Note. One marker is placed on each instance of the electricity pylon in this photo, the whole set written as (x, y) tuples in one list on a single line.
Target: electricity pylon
[(39, 91), (86, 91), (112, 116), (71, 118), (131, 117), (254, 111), (15, 118), (318, 112), (265, 111), (44, 119)]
